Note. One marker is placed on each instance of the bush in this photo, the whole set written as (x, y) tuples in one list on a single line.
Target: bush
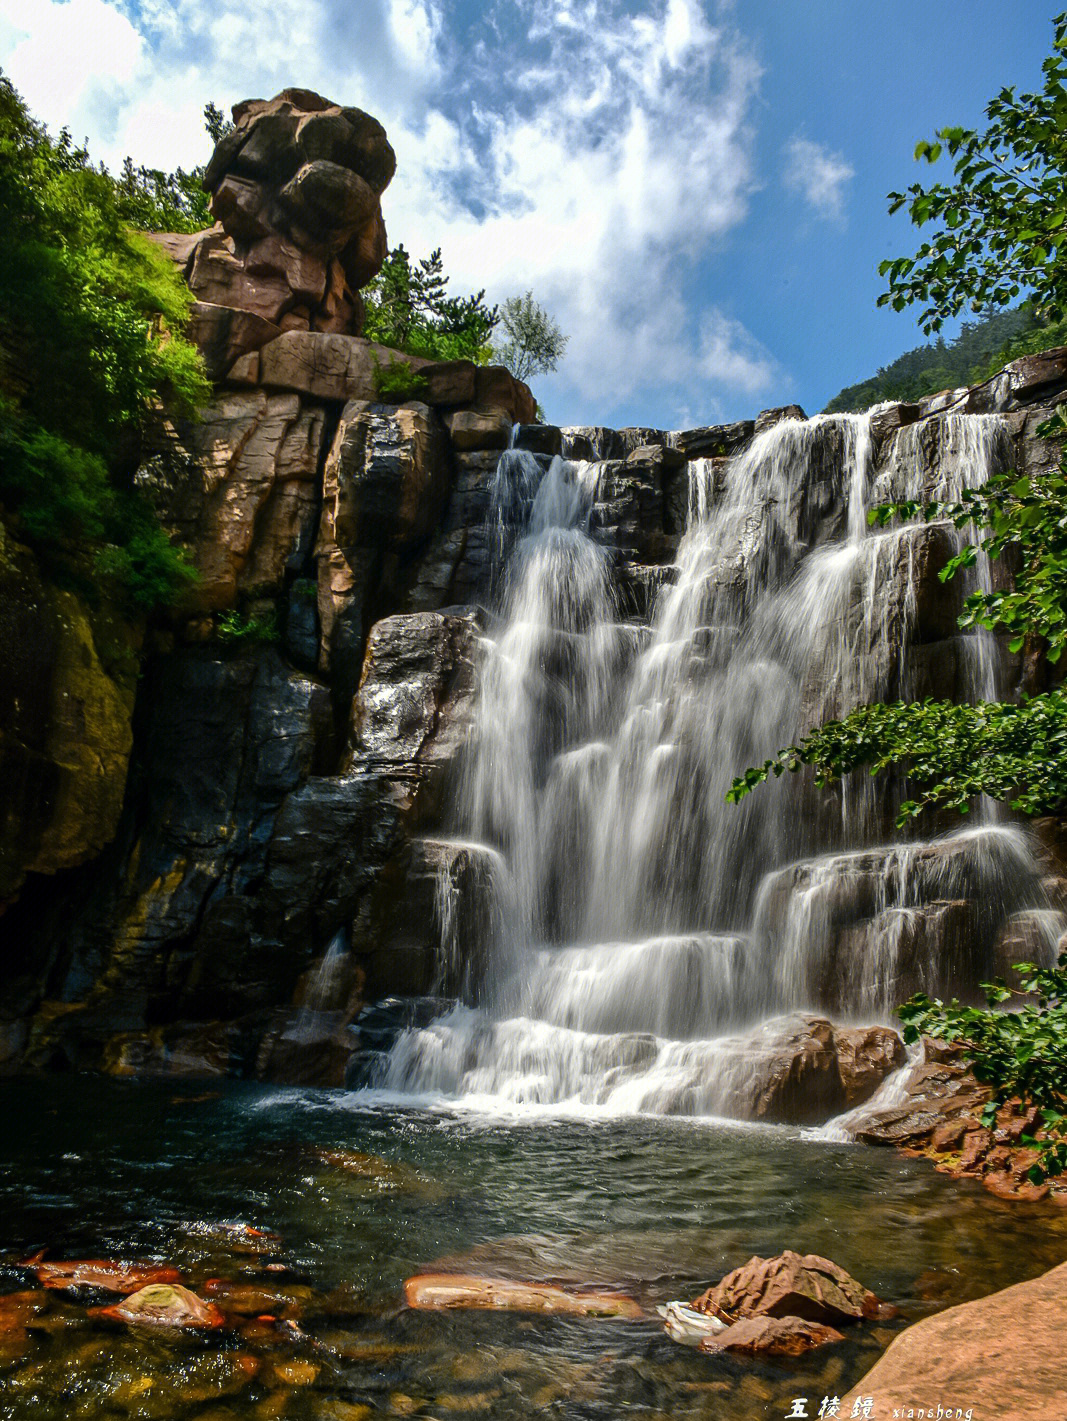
[(91, 315)]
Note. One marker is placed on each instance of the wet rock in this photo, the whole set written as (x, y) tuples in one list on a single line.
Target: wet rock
[(241, 1300), (1001, 1355), (773, 1336), (892, 416), (116, 1277), (306, 1047), (442, 1291), (767, 419), (164, 1305), (865, 1057), (539, 439), (791, 1285), (385, 485), (429, 924), (716, 440), (950, 1135), (796, 1078)]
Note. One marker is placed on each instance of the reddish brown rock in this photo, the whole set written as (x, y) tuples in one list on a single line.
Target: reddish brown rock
[(104, 1273), (791, 1285), (443, 1290), (777, 1336), (164, 1305), (865, 1057), (1001, 1356)]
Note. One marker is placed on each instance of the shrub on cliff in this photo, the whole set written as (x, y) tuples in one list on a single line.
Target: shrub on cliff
[(409, 309), (90, 341)]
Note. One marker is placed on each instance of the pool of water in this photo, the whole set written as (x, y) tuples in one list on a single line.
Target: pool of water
[(100, 1168)]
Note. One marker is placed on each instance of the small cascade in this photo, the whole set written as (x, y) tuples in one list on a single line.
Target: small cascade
[(654, 944)]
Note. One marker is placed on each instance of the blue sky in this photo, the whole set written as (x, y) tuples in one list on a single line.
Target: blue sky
[(695, 189)]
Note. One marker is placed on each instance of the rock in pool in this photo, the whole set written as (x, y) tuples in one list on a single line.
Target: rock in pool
[(791, 1285), (445, 1290), (164, 1305), (778, 1336)]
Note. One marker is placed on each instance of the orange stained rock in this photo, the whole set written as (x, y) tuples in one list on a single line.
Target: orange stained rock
[(458, 1290), (107, 1273)]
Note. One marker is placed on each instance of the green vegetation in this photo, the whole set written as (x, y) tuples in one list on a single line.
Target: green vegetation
[(408, 309), (1019, 1054), (1002, 224), (535, 343), (980, 350), (90, 342), (236, 629), (397, 381)]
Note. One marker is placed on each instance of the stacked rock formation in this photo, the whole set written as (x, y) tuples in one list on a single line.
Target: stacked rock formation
[(295, 191)]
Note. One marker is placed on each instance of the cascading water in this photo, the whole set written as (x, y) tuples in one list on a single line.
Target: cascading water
[(647, 922)]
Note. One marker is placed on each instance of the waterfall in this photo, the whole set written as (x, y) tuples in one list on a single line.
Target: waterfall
[(654, 937)]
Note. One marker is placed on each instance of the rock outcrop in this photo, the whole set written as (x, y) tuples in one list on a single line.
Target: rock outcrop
[(999, 1356)]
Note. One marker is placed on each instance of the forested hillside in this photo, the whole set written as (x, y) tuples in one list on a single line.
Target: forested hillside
[(980, 348)]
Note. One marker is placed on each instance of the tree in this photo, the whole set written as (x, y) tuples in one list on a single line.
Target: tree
[(1004, 219), (91, 316), (535, 343), (408, 309)]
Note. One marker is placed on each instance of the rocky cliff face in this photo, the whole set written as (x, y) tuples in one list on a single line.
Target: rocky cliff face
[(301, 718)]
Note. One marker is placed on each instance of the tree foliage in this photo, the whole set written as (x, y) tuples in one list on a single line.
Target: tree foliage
[(1018, 1054), (1001, 225), (409, 309), (91, 315), (534, 344)]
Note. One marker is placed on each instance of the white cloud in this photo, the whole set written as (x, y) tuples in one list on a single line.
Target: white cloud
[(594, 155), (818, 175)]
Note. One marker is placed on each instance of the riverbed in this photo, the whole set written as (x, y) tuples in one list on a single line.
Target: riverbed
[(362, 1197)]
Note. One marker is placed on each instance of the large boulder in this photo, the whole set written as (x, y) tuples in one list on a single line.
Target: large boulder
[(791, 1285), (295, 193), (999, 1356)]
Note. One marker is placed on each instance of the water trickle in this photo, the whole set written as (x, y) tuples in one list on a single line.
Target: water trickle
[(653, 941)]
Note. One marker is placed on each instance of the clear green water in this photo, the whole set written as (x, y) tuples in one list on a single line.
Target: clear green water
[(102, 1168)]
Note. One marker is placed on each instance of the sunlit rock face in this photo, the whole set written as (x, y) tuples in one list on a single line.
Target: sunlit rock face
[(295, 191)]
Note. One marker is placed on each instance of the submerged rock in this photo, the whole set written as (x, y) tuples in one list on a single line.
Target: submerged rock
[(792, 1285), (164, 1305), (443, 1290), (779, 1336), (104, 1273)]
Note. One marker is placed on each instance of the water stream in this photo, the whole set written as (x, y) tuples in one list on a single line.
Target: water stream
[(652, 937)]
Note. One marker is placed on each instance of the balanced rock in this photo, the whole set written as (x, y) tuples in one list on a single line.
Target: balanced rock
[(295, 193), (791, 1285), (778, 1336)]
